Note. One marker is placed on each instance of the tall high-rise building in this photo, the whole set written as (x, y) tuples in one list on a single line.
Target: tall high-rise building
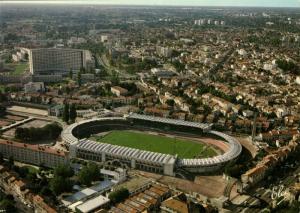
[(164, 51), (58, 60), (200, 22)]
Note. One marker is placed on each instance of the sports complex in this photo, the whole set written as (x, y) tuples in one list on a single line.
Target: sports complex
[(161, 145)]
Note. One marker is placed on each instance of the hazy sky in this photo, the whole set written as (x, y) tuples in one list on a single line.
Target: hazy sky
[(260, 3)]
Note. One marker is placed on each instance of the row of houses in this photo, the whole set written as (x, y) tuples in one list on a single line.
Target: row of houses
[(293, 192), (146, 201), (10, 182), (268, 163), (48, 99), (282, 135)]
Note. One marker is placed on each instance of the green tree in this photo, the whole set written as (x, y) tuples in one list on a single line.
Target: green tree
[(233, 169), (66, 113), (288, 66), (30, 176), (50, 131), (79, 79), (26, 56), (11, 160), (71, 73), (115, 80), (84, 177), (2, 96), (170, 102), (82, 70), (73, 113), (178, 65), (8, 205), (61, 181), (63, 170), (60, 184), (118, 195), (67, 90), (294, 207), (23, 171), (2, 110), (9, 59), (45, 191), (94, 170), (89, 173), (1, 158)]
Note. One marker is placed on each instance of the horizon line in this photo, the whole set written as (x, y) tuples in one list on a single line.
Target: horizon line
[(76, 2)]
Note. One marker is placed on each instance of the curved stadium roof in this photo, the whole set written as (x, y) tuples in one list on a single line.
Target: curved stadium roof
[(234, 150)]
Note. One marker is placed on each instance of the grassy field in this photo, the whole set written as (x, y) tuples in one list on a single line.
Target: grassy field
[(20, 69), (32, 169), (156, 143), (1, 88)]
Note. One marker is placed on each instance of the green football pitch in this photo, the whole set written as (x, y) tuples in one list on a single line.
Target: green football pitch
[(157, 143)]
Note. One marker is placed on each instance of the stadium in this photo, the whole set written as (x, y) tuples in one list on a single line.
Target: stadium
[(125, 144)]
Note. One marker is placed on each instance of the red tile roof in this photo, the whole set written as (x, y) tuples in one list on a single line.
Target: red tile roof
[(37, 148)]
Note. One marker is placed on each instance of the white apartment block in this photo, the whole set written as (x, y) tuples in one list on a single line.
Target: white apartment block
[(58, 60), (33, 154), (32, 87), (164, 51), (298, 80), (118, 91)]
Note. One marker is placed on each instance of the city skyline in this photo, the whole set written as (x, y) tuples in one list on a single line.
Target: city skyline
[(241, 3), (150, 106)]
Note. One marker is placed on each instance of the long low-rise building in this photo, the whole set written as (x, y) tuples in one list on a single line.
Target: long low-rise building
[(202, 126), (135, 158), (33, 154), (141, 159)]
